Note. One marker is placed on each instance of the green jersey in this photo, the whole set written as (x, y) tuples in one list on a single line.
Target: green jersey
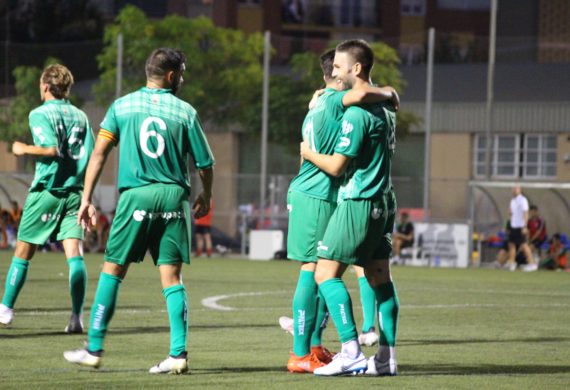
[(320, 128), (368, 136), (160, 131), (57, 123)]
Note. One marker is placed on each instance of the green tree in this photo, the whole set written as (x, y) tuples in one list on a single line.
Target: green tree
[(223, 71), (290, 94)]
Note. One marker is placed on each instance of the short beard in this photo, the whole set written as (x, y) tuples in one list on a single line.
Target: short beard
[(175, 85)]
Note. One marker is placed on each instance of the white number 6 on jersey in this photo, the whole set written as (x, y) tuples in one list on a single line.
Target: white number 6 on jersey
[(146, 134)]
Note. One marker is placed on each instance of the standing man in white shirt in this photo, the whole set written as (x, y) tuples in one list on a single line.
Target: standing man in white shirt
[(518, 233)]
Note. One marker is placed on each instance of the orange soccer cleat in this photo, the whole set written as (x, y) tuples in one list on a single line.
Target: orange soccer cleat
[(322, 354), (303, 364)]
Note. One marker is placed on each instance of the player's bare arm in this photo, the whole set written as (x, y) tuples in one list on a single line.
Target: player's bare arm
[(202, 203), (315, 97), (370, 94), (86, 216), (334, 165), (21, 149)]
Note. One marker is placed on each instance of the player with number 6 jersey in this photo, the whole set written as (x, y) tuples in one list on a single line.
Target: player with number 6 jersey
[(63, 142), (161, 130), (158, 132)]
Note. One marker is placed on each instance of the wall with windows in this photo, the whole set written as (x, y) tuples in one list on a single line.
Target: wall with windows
[(457, 158), (523, 156)]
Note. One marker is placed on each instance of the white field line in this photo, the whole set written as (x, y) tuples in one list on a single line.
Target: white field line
[(213, 303)]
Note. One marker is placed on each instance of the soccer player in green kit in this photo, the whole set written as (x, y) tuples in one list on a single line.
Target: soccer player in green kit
[(359, 231), (63, 142), (311, 201), (158, 132)]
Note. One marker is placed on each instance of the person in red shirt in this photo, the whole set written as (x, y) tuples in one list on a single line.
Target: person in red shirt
[(536, 230), (203, 232)]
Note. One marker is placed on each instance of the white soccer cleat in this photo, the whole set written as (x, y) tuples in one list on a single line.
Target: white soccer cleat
[(170, 365), (75, 325), (342, 364), (375, 368), (83, 358), (286, 323), (6, 315), (530, 267), (368, 338), (512, 266)]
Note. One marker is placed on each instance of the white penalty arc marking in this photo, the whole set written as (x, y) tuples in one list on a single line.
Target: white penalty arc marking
[(212, 302)]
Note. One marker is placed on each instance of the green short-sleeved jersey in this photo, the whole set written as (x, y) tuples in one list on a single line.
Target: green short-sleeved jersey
[(159, 131), (320, 128), (368, 136), (57, 123)]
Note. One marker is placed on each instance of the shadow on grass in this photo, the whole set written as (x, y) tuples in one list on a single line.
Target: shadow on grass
[(482, 369), (67, 309), (484, 341), (22, 334), (237, 370)]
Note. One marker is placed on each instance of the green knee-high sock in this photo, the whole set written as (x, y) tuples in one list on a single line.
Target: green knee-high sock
[(177, 307), (368, 300), (389, 307), (340, 308), (77, 283), (15, 280), (102, 310), (304, 311), (321, 321)]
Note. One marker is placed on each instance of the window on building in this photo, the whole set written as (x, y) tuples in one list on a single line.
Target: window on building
[(413, 7), (465, 5), (539, 156), (527, 156)]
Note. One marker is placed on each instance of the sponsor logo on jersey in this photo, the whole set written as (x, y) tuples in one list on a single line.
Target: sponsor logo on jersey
[(140, 215), (321, 247), (344, 142), (347, 127), (38, 133), (50, 217)]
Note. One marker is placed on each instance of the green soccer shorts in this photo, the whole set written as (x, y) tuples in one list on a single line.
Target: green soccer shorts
[(156, 218), (50, 215), (308, 219), (360, 230)]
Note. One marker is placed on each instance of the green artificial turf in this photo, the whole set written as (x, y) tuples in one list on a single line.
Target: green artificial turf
[(459, 329)]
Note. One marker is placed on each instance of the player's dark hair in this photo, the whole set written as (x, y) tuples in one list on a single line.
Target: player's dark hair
[(59, 80), (163, 60), (533, 207), (326, 61), (360, 52)]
